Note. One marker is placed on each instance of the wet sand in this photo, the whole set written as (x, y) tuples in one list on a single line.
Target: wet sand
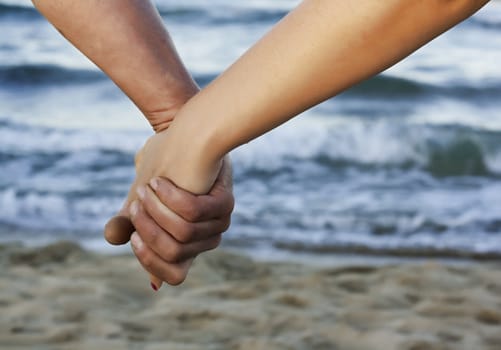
[(62, 297)]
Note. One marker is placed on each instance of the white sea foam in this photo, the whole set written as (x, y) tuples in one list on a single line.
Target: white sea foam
[(33, 140)]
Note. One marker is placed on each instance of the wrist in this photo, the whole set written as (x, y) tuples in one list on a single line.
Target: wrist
[(197, 160), (162, 107)]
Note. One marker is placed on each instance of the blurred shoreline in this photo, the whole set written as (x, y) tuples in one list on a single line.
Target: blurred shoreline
[(63, 297)]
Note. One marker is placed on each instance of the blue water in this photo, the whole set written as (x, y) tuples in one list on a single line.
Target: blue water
[(406, 163)]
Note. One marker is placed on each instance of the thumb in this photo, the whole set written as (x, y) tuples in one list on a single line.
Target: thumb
[(119, 228)]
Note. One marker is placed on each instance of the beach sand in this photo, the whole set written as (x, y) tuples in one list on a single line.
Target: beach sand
[(63, 297)]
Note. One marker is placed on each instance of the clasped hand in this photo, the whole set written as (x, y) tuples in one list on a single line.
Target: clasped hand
[(172, 226)]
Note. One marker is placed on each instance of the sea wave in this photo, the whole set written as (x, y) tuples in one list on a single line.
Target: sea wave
[(490, 18), (55, 212), (486, 23), (380, 87), (46, 74), (440, 150), (460, 157), (57, 180), (222, 16), (384, 86), (18, 11)]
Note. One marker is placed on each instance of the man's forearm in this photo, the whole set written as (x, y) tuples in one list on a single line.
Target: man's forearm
[(127, 40), (318, 50)]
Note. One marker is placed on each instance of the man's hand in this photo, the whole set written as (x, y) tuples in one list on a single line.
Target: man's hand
[(130, 43), (174, 226)]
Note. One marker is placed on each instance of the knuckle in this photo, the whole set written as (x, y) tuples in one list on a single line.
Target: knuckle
[(226, 224), (192, 212), (186, 233), (230, 204), (227, 204), (177, 276), (145, 258), (215, 243), (139, 220), (149, 233), (152, 236), (174, 253)]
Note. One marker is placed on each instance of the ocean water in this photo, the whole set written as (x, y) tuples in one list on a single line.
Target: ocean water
[(407, 163)]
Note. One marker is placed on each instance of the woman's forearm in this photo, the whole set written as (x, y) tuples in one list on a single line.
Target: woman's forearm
[(127, 40), (320, 49)]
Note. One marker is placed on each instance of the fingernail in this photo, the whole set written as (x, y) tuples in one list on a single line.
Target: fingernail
[(154, 287), (133, 209), (136, 241), (154, 183), (141, 191)]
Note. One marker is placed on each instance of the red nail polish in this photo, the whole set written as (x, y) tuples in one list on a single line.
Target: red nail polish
[(155, 288)]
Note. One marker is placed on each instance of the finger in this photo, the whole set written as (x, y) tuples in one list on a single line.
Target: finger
[(217, 204), (155, 282), (173, 274), (123, 231), (180, 229), (162, 243), (119, 228)]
